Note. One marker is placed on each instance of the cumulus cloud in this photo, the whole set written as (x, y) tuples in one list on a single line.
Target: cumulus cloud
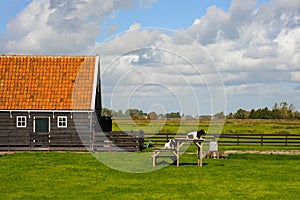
[(253, 46), (250, 47), (60, 26), (249, 38)]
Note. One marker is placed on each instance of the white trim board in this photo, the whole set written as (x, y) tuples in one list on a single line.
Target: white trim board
[(96, 77)]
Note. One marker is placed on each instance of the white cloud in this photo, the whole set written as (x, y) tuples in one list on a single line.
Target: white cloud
[(128, 41), (295, 76), (255, 47), (135, 26), (60, 26)]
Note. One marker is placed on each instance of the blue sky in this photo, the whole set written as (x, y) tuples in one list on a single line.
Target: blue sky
[(9, 9), (195, 57), (165, 13), (159, 14)]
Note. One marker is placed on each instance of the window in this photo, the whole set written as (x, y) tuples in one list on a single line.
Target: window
[(41, 125), (21, 122), (62, 122)]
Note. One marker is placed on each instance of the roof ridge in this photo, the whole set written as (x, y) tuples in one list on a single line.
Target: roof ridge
[(28, 55)]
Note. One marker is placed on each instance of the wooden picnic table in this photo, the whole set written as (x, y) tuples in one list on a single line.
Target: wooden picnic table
[(176, 151)]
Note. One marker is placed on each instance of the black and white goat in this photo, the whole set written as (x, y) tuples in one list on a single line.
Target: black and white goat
[(196, 134), (192, 135), (170, 144)]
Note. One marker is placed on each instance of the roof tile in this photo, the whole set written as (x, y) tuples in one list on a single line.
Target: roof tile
[(46, 82)]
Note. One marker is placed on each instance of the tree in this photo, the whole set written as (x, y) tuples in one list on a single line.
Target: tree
[(152, 116), (131, 112), (106, 112), (241, 114), (173, 115), (281, 111), (219, 115), (265, 113), (284, 110), (230, 116), (135, 113), (296, 115), (275, 112), (275, 107), (291, 111), (253, 114)]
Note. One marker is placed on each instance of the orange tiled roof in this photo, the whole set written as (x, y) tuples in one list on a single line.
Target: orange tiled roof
[(47, 82)]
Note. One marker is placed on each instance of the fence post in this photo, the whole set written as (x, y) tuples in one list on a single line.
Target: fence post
[(262, 140), (30, 141), (238, 139), (286, 138)]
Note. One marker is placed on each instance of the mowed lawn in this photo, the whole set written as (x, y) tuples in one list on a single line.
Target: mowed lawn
[(231, 126), (61, 175)]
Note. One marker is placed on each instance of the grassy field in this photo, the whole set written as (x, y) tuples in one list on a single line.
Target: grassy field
[(71, 175), (230, 126), (262, 126), (60, 175), (175, 126)]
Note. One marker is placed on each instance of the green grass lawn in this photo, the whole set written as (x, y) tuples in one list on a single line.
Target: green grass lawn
[(175, 126), (59, 175), (261, 126)]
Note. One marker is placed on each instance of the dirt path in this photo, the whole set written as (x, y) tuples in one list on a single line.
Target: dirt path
[(271, 152), (6, 152)]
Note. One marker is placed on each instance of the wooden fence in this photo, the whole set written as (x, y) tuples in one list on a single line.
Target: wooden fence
[(99, 141), (118, 141), (259, 139), (132, 141), (233, 139)]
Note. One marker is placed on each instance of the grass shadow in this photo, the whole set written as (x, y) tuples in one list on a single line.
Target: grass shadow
[(191, 164)]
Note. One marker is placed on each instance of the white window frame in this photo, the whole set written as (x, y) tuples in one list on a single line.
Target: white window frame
[(21, 122), (63, 120)]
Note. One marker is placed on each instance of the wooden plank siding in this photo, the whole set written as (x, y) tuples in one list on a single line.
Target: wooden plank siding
[(19, 138), (77, 134)]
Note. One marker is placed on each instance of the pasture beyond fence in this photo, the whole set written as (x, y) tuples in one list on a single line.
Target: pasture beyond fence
[(234, 139)]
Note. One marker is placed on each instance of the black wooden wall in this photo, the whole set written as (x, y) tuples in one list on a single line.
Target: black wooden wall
[(77, 135)]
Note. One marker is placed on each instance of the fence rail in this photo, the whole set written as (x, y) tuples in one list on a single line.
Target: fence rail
[(133, 141), (234, 139), (98, 141)]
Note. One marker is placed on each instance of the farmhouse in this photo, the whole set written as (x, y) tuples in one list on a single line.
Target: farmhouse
[(48, 101)]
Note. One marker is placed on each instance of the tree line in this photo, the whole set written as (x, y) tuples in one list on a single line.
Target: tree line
[(279, 111), (138, 114)]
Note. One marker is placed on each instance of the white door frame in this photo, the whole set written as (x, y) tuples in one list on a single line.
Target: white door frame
[(42, 117)]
